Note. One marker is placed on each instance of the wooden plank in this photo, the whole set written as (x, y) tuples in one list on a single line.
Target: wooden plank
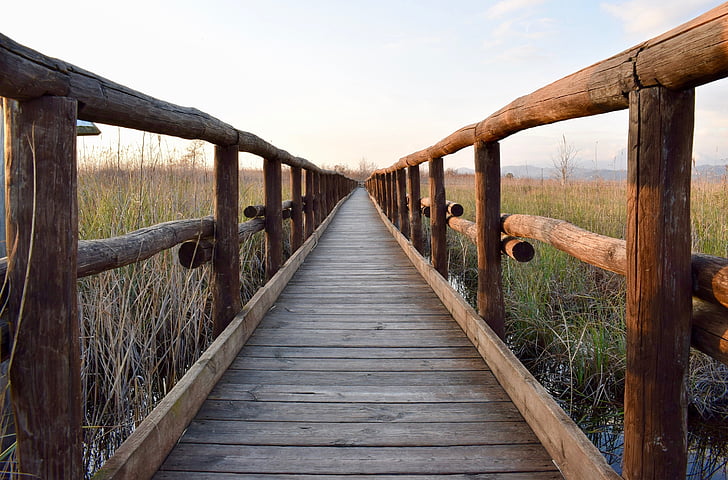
[(226, 258), (359, 352), (358, 364), (357, 460), (658, 283), (322, 434), (145, 449), (346, 338), (370, 378), (571, 450), (42, 223), (358, 393), (352, 323), (549, 475), (343, 412)]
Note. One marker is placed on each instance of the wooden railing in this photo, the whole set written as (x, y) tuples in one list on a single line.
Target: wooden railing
[(43, 99), (656, 81)]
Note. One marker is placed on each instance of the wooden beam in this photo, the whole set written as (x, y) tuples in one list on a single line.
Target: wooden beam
[(491, 305), (273, 217), (689, 55), (404, 225), (310, 213), (42, 221), (226, 259), (438, 219), (296, 209), (658, 283), (413, 186)]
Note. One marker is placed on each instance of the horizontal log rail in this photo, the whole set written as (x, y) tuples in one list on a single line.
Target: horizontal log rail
[(690, 55), (194, 253), (453, 209), (516, 248), (253, 211)]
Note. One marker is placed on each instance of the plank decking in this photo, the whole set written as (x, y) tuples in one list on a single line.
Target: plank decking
[(358, 371)]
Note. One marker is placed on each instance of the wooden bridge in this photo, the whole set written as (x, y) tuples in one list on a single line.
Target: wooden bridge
[(364, 365)]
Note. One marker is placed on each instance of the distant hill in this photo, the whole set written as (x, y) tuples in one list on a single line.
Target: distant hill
[(712, 173)]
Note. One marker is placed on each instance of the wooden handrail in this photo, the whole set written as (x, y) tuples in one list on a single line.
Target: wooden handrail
[(602, 87), (28, 74)]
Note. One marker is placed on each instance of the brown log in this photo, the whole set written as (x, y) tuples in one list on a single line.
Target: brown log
[(42, 223), (710, 329), (404, 225), (453, 209), (29, 74), (709, 273), (516, 248), (226, 301), (491, 306), (296, 210), (254, 211), (193, 253), (273, 217), (413, 186), (658, 283), (438, 220), (310, 219), (690, 55)]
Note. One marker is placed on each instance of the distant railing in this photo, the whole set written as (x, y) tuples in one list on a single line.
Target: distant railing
[(656, 81), (43, 99)]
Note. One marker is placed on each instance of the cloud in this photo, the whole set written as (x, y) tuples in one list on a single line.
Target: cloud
[(648, 18), (508, 6)]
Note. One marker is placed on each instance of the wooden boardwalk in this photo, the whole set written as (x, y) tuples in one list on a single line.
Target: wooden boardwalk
[(358, 371)]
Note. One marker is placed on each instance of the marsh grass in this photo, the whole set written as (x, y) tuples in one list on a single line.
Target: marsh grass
[(145, 324), (565, 318)]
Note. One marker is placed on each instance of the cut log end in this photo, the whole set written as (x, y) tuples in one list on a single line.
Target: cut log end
[(192, 254), (517, 249)]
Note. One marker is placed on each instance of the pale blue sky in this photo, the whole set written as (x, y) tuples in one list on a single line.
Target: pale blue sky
[(337, 81)]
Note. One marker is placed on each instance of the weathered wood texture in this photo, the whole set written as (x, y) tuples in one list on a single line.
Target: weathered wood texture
[(491, 306), (415, 215), (316, 392), (225, 257), (658, 283), (709, 274), (453, 209), (309, 217), (515, 248), (692, 54), (404, 224), (438, 219), (42, 221), (145, 449), (29, 74), (571, 450), (296, 209), (193, 253), (273, 217)]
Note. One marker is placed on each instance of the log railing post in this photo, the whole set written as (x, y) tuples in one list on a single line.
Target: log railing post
[(438, 220), (393, 199), (487, 218), (415, 213), (316, 203), (404, 225), (226, 301), (273, 217), (296, 210), (658, 283), (386, 204), (310, 211), (42, 221)]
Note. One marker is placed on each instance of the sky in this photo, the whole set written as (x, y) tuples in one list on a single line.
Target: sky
[(340, 81)]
